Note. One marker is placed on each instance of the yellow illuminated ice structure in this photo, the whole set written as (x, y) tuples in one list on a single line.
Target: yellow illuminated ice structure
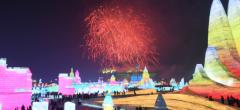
[(112, 79), (108, 102), (220, 35), (219, 32), (234, 21), (71, 73), (146, 82), (145, 76)]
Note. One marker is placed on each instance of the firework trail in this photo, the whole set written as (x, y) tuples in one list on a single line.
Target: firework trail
[(119, 36)]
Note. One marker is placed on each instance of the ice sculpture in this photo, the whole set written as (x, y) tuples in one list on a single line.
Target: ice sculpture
[(69, 106), (15, 83), (172, 81), (71, 74), (200, 76), (65, 84), (40, 106), (108, 102), (113, 79), (220, 37), (181, 83), (146, 81), (135, 78), (216, 71), (221, 59), (77, 77), (173, 84)]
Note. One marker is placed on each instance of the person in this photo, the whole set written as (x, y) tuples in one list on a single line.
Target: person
[(23, 107), (222, 99), (210, 98), (134, 91)]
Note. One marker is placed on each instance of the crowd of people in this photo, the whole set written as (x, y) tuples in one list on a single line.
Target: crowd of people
[(230, 100), (24, 108)]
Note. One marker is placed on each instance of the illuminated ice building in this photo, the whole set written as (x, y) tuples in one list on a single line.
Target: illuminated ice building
[(66, 83), (15, 86), (222, 59), (136, 78), (146, 82)]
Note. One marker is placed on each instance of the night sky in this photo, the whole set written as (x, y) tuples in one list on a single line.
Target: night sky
[(47, 35)]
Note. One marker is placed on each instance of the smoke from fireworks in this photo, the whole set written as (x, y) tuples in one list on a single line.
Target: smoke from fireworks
[(119, 36)]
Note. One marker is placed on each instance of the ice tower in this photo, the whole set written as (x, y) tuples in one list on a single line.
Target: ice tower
[(77, 78), (113, 80), (146, 81), (71, 74)]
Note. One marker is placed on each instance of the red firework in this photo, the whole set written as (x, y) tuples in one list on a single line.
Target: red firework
[(118, 36)]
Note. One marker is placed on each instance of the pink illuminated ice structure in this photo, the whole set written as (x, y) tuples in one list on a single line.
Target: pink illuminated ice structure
[(77, 78), (65, 84), (113, 80), (15, 86)]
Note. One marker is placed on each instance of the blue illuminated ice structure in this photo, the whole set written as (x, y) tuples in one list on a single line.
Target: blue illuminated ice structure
[(136, 78), (44, 89), (99, 87), (174, 84), (182, 84)]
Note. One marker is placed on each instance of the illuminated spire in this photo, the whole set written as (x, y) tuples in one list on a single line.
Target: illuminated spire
[(146, 81), (145, 73), (219, 33), (71, 73), (181, 83), (113, 78), (77, 77)]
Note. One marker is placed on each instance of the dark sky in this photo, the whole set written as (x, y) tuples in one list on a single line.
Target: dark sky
[(46, 35)]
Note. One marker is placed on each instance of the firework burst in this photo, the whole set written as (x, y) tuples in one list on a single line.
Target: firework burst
[(118, 36)]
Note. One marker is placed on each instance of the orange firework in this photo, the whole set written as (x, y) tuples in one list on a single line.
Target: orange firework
[(118, 36)]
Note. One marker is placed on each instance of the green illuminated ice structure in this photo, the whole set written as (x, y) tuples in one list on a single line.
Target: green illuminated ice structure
[(200, 76)]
